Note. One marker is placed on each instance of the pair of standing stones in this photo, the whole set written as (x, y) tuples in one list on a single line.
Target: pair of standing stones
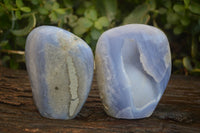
[(133, 65)]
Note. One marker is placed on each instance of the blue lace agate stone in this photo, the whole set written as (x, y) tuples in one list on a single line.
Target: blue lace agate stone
[(133, 64), (60, 68)]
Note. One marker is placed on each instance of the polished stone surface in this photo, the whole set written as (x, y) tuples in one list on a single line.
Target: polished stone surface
[(133, 64), (60, 68)]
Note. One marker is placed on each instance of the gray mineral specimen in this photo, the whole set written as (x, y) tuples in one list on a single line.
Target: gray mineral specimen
[(60, 68), (133, 64)]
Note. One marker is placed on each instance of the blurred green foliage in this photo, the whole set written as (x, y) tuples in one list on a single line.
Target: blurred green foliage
[(180, 20)]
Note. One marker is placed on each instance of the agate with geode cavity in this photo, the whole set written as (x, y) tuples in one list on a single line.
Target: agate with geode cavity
[(133, 64), (60, 68)]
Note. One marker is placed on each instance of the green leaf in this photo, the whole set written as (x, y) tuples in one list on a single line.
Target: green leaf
[(48, 6), (80, 11), (187, 63), (138, 15), (79, 30), (43, 11), (88, 39), (104, 21), (172, 18), (60, 11), (35, 2), (69, 11), (98, 25), (18, 14), (101, 22), (87, 4), (179, 8), (73, 20), (194, 8), (110, 8), (28, 28), (85, 22), (82, 26), (55, 5), (8, 4), (95, 34), (152, 4), (185, 21), (178, 30), (167, 3), (186, 2), (19, 3), (25, 9), (68, 3), (53, 16), (162, 10), (91, 14)]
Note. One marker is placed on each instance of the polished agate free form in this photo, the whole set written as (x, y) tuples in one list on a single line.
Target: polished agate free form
[(133, 65), (60, 68)]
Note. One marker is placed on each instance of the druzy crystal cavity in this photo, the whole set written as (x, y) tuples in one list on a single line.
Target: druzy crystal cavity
[(60, 68), (133, 64)]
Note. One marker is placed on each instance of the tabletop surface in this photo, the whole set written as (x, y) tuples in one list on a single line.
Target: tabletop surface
[(177, 111)]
